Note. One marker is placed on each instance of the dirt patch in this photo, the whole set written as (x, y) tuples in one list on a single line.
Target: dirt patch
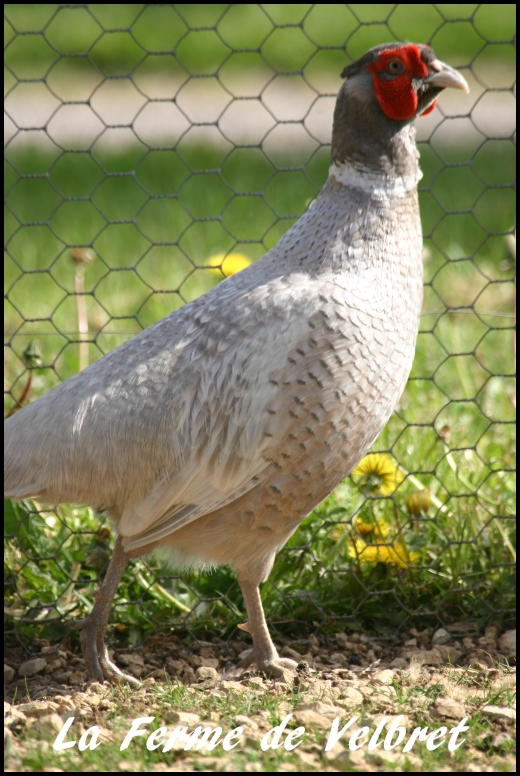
[(351, 675), (57, 669)]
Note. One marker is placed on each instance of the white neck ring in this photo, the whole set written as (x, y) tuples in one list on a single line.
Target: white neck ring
[(378, 185)]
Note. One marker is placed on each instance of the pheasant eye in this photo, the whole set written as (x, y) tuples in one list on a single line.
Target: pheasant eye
[(395, 66)]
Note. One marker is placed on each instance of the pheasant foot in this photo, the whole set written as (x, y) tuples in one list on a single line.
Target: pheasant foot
[(264, 655), (274, 666), (94, 626), (95, 652)]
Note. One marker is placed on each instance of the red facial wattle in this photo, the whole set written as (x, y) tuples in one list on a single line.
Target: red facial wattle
[(429, 109), (397, 97)]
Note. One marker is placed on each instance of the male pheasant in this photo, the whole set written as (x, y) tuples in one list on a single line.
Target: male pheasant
[(213, 433)]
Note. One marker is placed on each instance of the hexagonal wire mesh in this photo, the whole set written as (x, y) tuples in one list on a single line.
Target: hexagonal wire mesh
[(152, 150)]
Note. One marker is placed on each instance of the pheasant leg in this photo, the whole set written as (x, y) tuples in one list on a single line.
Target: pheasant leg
[(264, 654), (94, 626)]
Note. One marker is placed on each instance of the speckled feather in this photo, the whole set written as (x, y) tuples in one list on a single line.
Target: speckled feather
[(274, 383), (215, 431)]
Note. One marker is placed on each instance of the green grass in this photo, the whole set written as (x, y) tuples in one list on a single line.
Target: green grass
[(117, 39), (453, 430)]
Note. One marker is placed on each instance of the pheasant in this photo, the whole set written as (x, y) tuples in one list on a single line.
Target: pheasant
[(214, 432)]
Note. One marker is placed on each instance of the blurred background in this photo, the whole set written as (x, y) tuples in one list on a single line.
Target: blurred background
[(151, 151)]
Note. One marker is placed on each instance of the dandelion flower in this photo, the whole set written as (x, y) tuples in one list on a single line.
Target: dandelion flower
[(229, 263), (363, 528), (377, 474), (393, 552), (418, 502), (378, 528)]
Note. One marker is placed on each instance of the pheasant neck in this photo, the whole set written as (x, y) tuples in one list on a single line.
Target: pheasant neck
[(371, 151)]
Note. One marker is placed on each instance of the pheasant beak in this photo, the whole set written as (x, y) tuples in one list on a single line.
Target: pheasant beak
[(446, 77)]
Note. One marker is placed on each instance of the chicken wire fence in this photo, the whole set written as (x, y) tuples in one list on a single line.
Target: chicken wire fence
[(151, 150)]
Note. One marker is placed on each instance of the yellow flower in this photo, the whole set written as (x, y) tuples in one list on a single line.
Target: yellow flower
[(362, 527), (379, 528), (418, 502), (392, 552), (229, 263), (377, 474)]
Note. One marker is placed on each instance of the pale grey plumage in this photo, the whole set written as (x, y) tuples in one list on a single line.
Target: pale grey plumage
[(215, 431), (311, 346)]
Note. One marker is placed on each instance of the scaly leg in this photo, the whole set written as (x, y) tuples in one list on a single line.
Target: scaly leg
[(94, 626), (264, 653)]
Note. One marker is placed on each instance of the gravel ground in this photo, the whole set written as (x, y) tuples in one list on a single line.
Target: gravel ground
[(435, 679)]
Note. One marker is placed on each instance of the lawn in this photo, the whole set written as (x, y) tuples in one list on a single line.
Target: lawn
[(207, 37)]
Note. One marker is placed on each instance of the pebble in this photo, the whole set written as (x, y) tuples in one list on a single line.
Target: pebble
[(183, 718), (500, 740), (8, 674), (209, 662), (38, 708), (448, 653), (399, 662), (507, 643), (357, 758), (159, 673), (336, 756), (54, 665), (351, 697), (428, 657), (309, 717), (327, 709), (500, 713), (49, 649), (131, 658), (243, 721), (441, 636), (463, 627), (233, 686), (188, 675), (176, 667), (8, 744), (12, 715), (31, 667), (289, 652), (207, 673), (255, 681), (398, 760), (383, 677), (62, 677), (50, 723), (447, 707), (67, 702), (207, 651)]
